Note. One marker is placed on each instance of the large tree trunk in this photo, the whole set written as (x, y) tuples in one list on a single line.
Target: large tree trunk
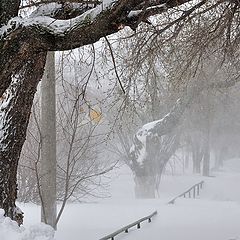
[(148, 173), (48, 143), (154, 144), (16, 103), (145, 186)]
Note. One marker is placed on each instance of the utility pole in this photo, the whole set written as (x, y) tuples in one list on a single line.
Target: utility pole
[(48, 143)]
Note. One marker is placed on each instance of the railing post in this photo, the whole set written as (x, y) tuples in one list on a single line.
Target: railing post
[(138, 225), (198, 189), (126, 231), (194, 192)]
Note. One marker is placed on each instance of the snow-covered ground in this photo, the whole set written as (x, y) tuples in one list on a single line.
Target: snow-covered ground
[(213, 216)]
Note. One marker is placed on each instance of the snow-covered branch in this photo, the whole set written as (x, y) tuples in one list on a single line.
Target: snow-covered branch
[(21, 38)]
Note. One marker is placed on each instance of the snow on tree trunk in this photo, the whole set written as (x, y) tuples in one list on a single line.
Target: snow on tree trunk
[(155, 143), (15, 109), (152, 161), (48, 143)]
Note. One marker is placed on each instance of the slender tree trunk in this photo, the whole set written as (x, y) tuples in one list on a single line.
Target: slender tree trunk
[(218, 157), (206, 158), (197, 157), (186, 159), (48, 143)]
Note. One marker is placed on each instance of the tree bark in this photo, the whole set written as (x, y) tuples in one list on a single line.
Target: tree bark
[(15, 111), (8, 10)]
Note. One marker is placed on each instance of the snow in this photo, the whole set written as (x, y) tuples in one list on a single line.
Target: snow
[(146, 130), (4, 103), (192, 219), (11, 25), (42, 18), (214, 215), (46, 9), (9, 230), (135, 13), (62, 26), (141, 135)]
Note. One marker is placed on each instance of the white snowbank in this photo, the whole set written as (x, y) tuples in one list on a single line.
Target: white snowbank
[(9, 230)]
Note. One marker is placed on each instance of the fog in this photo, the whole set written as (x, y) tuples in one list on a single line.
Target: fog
[(138, 136)]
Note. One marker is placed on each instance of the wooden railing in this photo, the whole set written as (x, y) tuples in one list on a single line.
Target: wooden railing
[(190, 193), (126, 228)]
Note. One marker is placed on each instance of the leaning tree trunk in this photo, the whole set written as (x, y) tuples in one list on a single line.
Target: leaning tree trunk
[(15, 108)]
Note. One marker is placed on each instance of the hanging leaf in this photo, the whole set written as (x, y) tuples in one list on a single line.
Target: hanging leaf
[(95, 115)]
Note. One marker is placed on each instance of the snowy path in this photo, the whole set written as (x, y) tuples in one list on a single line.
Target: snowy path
[(214, 216), (192, 219)]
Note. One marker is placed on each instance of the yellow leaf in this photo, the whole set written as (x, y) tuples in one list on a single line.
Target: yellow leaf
[(95, 115)]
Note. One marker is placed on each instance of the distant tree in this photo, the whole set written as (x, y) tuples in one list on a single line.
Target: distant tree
[(155, 142)]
